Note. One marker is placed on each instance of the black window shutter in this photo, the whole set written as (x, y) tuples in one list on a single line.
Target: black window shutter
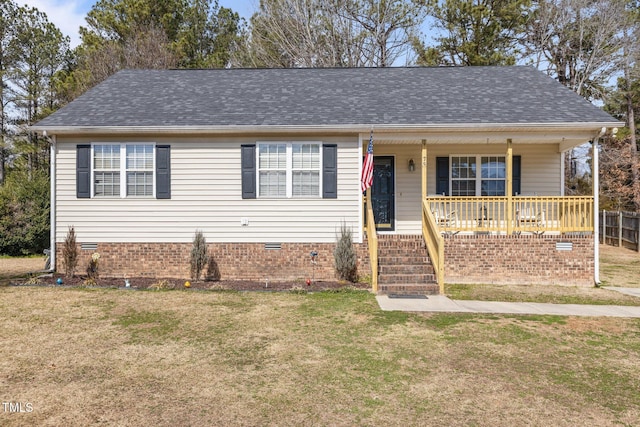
[(516, 172), (163, 171), (330, 171), (83, 171), (248, 160), (442, 175)]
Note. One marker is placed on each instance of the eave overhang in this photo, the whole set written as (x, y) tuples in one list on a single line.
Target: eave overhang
[(567, 135)]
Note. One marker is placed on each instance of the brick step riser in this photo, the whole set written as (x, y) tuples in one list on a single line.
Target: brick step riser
[(405, 269), (402, 250), (408, 260), (414, 257), (393, 245), (399, 236), (409, 289), (395, 279), (401, 242), (417, 242)]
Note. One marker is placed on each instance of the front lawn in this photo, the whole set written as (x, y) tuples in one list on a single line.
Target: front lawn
[(118, 357)]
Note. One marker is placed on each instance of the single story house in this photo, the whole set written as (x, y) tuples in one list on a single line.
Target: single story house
[(468, 182)]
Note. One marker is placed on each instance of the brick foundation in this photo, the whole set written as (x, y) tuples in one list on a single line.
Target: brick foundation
[(229, 261), (524, 259)]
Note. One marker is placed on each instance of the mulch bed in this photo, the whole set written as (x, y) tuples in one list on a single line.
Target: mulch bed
[(173, 283)]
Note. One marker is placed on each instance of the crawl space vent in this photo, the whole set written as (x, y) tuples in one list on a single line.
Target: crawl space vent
[(564, 246)]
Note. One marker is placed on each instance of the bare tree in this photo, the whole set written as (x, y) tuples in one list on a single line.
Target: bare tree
[(579, 42), (330, 33), (147, 48), (8, 11), (631, 91), (388, 27), (620, 188), (288, 33)]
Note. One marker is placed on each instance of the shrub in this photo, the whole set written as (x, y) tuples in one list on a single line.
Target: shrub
[(33, 280), (92, 269), (162, 285), (199, 255), (345, 256), (24, 214), (70, 253), (89, 282)]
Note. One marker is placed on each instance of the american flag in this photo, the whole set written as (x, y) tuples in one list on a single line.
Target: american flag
[(366, 179)]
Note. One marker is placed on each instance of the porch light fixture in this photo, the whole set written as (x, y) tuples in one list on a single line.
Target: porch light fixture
[(412, 165)]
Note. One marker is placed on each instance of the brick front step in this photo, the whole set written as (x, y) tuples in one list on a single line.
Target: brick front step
[(404, 266), (389, 268), (393, 279), (409, 289)]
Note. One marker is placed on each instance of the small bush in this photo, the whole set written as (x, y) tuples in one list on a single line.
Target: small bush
[(199, 255), (93, 272), (33, 280), (162, 285), (89, 282), (70, 253), (345, 256)]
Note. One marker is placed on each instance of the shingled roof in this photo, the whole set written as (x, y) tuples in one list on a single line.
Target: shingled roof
[(325, 98)]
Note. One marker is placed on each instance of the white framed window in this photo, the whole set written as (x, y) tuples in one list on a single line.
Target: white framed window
[(106, 170), (493, 173), (123, 169), (289, 169), (139, 170), (478, 175)]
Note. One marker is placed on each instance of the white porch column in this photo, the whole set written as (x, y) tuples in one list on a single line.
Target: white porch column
[(424, 170), (509, 191)]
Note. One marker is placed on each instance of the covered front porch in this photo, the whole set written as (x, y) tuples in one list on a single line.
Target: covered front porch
[(462, 189)]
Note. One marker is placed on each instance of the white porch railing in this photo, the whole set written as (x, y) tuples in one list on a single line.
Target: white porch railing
[(537, 214)]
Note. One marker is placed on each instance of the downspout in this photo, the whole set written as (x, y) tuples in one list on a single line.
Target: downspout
[(596, 203), (52, 207)]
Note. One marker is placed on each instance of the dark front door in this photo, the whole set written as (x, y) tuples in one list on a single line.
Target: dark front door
[(383, 192)]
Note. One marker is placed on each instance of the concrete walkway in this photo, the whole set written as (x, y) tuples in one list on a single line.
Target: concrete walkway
[(634, 292), (442, 304)]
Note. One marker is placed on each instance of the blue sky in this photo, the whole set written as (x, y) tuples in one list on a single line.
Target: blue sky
[(68, 15)]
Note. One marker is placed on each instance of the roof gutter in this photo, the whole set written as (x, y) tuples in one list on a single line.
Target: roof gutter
[(346, 128)]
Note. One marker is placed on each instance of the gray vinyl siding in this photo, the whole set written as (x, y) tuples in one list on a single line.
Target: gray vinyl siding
[(206, 195)]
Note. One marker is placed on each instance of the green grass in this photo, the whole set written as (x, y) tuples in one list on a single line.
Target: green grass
[(147, 326)]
